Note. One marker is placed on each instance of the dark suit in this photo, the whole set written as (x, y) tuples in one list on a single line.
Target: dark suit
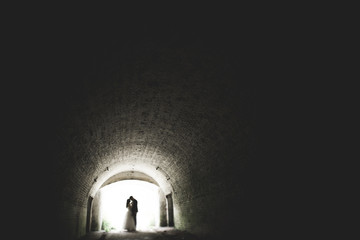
[(134, 208)]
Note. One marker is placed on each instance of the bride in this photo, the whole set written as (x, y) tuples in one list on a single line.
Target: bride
[(129, 222)]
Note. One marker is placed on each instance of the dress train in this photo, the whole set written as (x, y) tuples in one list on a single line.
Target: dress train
[(129, 222)]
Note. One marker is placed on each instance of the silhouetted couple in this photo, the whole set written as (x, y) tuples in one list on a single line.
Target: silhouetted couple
[(130, 216)]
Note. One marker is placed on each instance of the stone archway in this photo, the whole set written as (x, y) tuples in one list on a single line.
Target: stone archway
[(94, 215)]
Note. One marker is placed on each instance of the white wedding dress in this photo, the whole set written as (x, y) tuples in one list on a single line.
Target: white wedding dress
[(129, 222)]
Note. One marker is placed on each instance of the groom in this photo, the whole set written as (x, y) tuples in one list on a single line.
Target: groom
[(134, 208)]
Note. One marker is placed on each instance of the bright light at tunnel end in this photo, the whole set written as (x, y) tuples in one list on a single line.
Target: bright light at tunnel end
[(113, 203)]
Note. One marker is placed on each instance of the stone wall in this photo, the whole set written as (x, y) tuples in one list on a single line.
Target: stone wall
[(180, 103)]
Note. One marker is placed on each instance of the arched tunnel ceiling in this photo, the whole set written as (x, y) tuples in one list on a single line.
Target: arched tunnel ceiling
[(169, 103), (173, 100), (133, 169), (129, 175)]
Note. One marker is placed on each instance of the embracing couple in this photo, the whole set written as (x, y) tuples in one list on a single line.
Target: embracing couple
[(130, 216)]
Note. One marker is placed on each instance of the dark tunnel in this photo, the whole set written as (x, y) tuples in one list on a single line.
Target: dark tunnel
[(167, 102)]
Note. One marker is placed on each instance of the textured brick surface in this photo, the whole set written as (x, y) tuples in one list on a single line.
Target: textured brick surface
[(181, 113)]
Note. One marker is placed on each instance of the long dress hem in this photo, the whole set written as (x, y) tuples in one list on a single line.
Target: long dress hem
[(129, 222)]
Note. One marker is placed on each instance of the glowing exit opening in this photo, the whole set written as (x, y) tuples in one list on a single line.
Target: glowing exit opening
[(113, 204)]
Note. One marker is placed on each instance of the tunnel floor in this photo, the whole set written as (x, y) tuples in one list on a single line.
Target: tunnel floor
[(161, 233)]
